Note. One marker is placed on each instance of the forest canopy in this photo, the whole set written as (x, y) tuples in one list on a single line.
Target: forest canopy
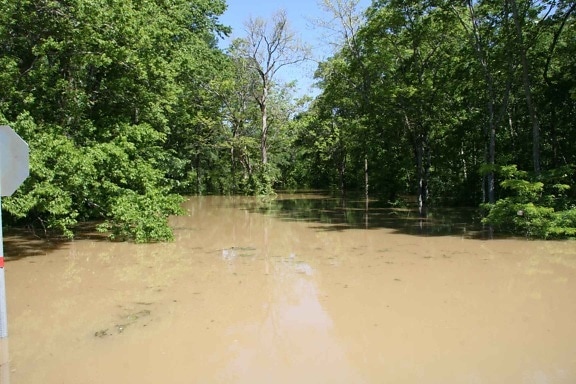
[(128, 107)]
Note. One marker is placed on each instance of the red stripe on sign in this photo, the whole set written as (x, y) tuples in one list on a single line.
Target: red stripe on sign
[(1, 261)]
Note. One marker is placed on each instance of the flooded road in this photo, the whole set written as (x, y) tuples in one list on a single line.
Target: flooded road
[(246, 295)]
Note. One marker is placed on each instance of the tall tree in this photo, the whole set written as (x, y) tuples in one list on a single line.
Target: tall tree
[(492, 53), (270, 46), (413, 41), (241, 114), (519, 21)]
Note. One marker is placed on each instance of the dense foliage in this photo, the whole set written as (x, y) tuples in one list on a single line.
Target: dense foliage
[(129, 105), (104, 92), (534, 208), (439, 97)]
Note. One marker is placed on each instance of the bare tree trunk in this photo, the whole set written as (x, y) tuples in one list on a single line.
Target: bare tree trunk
[(198, 181), (342, 172), (423, 170), (366, 185), (233, 159), (233, 169), (264, 137)]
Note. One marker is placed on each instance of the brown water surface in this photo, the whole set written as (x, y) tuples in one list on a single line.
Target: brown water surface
[(246, 295)]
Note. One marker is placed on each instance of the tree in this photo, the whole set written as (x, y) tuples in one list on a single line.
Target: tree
[(345, 20), (527, 84), (434, 86), (241, 114), (489, 48), (97, 89), (269, 48), (411, 44)]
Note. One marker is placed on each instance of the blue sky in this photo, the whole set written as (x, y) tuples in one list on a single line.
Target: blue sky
[(300, 12)]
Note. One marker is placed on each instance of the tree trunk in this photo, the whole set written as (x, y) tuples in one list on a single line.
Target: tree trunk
[(423, 171), (421, 181), (341, 173), (422, 160), (366, 185), (233, 160), (264, 138), (198, 181)]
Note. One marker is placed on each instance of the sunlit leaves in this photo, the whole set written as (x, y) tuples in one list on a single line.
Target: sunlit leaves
[(98, 89)]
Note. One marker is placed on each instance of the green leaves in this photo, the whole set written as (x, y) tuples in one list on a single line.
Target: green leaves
[(141, 217), (531, 209), (435, 95), (115, 181), (98, 88)]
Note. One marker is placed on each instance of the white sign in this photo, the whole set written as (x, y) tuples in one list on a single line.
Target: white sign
[(14, 161), (14, 169)]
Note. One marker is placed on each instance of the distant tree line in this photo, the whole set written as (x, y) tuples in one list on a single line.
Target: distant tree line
[(127, 107)]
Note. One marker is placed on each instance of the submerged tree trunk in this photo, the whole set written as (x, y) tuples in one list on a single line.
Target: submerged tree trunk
[(366, 185), (198, 179), (420, 146), (341, 174), (423, 171)]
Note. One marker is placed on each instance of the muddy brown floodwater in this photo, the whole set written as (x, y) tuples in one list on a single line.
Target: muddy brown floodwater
[(246, 295)]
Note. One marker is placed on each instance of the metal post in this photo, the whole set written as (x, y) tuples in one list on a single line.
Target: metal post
[(14, 169), (3, 314), (4, 359)]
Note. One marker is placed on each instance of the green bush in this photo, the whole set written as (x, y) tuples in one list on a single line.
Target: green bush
[(142, 218), (529, 210), (114, 182)]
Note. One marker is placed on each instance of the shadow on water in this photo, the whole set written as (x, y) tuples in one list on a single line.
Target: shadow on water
[(339, 214), (21, 243)]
